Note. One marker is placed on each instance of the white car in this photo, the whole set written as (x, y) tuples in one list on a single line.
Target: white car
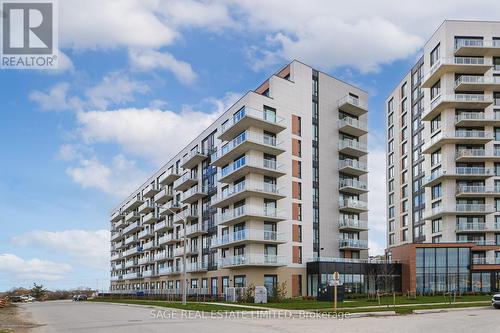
[(27, 298), (495, 301)]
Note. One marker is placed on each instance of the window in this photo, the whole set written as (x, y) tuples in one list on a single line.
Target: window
[(436, 90), (436, 225), (436, 157), (436, 123), (404, 90), (405, 220), (240, 281), (404, 191), (437, 239), (434, 56), (391, 239), (436, 191), (405, 235)]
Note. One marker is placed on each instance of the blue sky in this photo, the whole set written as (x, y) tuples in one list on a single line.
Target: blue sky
[(139, 77)]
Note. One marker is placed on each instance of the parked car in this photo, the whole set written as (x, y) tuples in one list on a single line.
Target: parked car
[(27, 298), (495, 301), (77, 298), (16, 299)]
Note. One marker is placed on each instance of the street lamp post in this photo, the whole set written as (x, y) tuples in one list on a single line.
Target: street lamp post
[(184, 242)]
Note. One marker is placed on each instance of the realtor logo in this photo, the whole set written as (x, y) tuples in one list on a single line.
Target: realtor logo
[(29, 34)]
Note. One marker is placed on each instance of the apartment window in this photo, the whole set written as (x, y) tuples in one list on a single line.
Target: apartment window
[(404, 162), (296, 211), (390, 146), (404, 206), (391, 225), (390, 105), (497, 133), (436, 123), (405, 220), (390, 132), (391, 159), (296, 233), (437, 239), (391, 185), (297, 254), (239, 281), (436, 157), (404, 148), (436, 90), (404, 191), (391, 199), (404, 177), (434, 56), (391, 212), (391, 239), (496, 63), (405, 235), (296, 125), (390, 119), (436, 225), (436, 192), (404, 90), (296, 169), (296, 190), (296, 147)]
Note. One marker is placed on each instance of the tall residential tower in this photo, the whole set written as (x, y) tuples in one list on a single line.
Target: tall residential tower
[(279, 179), (443, 160)]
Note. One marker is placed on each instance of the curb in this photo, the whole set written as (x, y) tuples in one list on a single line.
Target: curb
[(449, 309)]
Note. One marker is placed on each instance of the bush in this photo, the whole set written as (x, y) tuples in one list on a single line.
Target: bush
[(279, 293), (248, 295)]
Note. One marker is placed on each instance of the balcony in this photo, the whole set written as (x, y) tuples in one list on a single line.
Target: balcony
[(353, 244), (146, 260), (151, 245), (164, 255), (168, 239), (194, 194), (353, 105), (164, 195), (169, 177), (195, 230), (246, 165), (475, 119), (476, 83), (120, 223), (193, 158), (474, 155), (148, 273), (132, 251), (352, 148), (352, 167), (346, 224), (352, 206), (150, 191), (249, 260), (132, 216), (249, 117), (133, 204), (471, 227), (485, 261), (131, 239), (170, 207), (353, 186), (244, 142), (191, 214), (116, 236), (464, 65), (197, 267), (166, 270), (150, 218), (116, 216), (249, 212), (244, 236), (465, 173), (131, 276), (147, 233), (146, 207), (132, 228), (131, 263), (246, 189), (353, 126), (477, 191), (456, 101), (186, 181), (117, 278), (477, 47), (459, 209), (459, 136), (163, 226), (116, 256)]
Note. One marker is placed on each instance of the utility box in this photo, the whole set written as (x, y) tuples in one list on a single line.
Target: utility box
[(260, 295), (325, 293)]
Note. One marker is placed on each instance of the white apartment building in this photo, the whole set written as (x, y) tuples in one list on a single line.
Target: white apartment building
[(279, 179), (443, 145)]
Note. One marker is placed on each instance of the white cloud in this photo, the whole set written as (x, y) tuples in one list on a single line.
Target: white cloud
[(147, 60), (149, 133), (84, 248), (32, 269), (116, 89), (56, 98), (118, 178)]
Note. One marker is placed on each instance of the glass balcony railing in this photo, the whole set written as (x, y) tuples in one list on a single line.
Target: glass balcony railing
[(246, 136), (353, 243), (246, 111), (248, 235), (248, 186), (252, 210), (352, 144), (349, 163), (251, 162), (465, 189), (252, 260), (353, 183), (352, 224)]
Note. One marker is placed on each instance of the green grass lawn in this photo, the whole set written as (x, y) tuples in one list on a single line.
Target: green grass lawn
[(190, 306), (299, 304)]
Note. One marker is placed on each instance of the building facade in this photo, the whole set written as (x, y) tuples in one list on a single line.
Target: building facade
[(280, 178), (443, 150)]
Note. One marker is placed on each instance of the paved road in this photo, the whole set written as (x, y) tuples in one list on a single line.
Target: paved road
[(67, 316)]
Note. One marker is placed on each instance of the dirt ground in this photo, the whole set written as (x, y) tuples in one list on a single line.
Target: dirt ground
[(13, 319)]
